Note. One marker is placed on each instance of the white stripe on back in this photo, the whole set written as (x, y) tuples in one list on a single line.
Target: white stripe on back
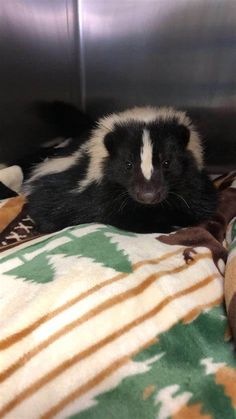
[(146, 155), (55, 165)]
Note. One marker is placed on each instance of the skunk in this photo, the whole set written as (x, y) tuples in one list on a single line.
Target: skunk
[(139, 170)]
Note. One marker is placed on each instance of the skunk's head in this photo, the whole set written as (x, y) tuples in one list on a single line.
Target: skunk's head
[(146, 151)]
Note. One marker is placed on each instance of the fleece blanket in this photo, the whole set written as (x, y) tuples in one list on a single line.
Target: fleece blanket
[(99, 323), (96, 323)]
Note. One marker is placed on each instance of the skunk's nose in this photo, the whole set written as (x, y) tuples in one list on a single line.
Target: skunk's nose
[(146, 197)]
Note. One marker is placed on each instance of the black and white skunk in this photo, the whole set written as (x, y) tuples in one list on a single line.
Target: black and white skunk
[(139, 170)]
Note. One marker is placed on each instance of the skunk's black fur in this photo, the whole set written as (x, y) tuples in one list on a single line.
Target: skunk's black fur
[(140, 170)]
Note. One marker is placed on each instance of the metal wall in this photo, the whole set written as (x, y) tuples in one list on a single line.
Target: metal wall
[(38, 61), (171, 52), (109, 54)]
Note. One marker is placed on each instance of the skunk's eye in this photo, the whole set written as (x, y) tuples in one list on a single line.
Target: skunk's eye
[(166, 164), (128, 165)]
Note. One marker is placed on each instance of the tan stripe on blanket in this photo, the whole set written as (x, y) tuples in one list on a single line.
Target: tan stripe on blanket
[(95, 380), (16, 337), (197, 310), (230, 280), (38, 384)]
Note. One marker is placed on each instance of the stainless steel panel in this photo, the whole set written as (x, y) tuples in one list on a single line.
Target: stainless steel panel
[(105, 55), (37, 49), (39, 61), (161, 52)]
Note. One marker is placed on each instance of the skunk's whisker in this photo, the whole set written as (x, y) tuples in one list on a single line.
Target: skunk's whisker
[(181, 197)]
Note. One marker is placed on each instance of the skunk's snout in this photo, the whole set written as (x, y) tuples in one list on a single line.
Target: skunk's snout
[(146, 197), (148, 192), (149, 195)]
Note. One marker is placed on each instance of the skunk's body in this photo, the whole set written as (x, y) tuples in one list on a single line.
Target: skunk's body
[(140, 170)]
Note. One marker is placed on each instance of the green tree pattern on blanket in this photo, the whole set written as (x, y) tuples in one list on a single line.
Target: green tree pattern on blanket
[(190, 355), (95, 245)]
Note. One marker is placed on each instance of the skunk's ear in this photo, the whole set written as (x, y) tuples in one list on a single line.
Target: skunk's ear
[(109, 142), (183, 135)]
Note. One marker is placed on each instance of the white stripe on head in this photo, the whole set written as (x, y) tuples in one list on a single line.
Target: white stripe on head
[(146, 155)]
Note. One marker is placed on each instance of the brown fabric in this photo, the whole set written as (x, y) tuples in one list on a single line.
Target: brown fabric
[(210, 234), (10, 210), (17, 226), (225, 181), (195, 237)]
